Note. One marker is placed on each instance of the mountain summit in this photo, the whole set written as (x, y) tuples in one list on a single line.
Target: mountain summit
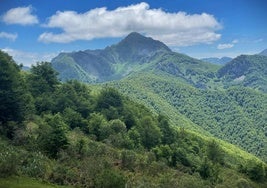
[(111, 63), (137, 45)]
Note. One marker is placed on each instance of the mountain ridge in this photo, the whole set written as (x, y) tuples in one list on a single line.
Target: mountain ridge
[(246, 70), (134, 53), (110, 63)]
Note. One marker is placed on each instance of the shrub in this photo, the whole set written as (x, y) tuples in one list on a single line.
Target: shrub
[(110, 178)]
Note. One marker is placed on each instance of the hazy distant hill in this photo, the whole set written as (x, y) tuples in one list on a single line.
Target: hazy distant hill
[(246, 70), (264, 52), (215, 60)]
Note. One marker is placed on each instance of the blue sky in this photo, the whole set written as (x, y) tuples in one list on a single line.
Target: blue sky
[(37, 30)]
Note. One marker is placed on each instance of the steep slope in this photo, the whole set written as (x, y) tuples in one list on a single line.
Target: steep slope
[(246, 70), (215, 60), (186, 69), (237, 115), (135, 53), (191, 92), (111, 63), (136, 48), (80, 136)]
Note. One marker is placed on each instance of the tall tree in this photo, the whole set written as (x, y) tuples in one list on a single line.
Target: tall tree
[(14, 99), (57, 139), (214, 152), (150, 132), (43, 78)]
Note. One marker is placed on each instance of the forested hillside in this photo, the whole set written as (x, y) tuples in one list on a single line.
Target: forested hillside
[(237, 115), (201, 96), (82, 136), (246, 70)]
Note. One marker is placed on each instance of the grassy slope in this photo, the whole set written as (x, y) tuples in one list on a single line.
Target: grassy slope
[(25, 182)]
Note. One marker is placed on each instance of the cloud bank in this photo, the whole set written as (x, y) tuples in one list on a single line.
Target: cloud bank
[(175, 29), (21, 16)]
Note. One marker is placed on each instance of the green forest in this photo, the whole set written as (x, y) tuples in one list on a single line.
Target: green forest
[(78, 135), (236, 114)]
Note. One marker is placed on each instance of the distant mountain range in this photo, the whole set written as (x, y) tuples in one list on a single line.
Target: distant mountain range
[(215, 60)]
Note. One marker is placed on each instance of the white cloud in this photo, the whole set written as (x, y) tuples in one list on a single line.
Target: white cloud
[(225, 46), (175, 29), (20, 15), (28, 58), (9, 36), (235, 41)]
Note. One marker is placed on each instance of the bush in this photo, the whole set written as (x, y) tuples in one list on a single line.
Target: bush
[(256, 172), (36, 165), (110, 178), (9, 161)]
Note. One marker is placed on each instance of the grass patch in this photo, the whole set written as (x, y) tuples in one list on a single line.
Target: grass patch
[(25, 182)]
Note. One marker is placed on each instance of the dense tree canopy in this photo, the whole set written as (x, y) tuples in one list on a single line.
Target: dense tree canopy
[(15, 100), (81, 135)]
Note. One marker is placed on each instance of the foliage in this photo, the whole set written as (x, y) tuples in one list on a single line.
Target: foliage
[(236, 115), (246, 70), (110, 178), (15, 103), (56, 139), (84, 137)]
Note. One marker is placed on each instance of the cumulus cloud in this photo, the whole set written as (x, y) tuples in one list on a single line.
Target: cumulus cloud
[(227, 45), (28, 58), (8, 36), (175, 29), (20, 15)]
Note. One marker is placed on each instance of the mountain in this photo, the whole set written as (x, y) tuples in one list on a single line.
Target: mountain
[(193, 94), (246, 70), (135, 53), (111, 63), (215, 60), (264, 52), (80, 135)]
